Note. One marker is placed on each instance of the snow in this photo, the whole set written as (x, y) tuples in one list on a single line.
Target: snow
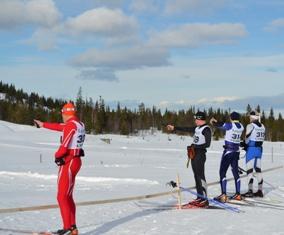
[(127, 167)]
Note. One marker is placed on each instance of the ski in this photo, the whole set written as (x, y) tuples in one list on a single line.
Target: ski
[(254, 204), (262, 202), (189, 206), (263, 199), (213, 201), (43, 233), (240, 203), (174, 207), (19, 231)]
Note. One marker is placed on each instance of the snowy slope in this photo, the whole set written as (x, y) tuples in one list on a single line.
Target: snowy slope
[(128, 166)]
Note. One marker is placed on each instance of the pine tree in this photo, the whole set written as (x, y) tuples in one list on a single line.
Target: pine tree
[(80, 103), (249, 109)]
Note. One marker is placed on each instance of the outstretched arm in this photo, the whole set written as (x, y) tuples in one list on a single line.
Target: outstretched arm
[(48, 125), (220, 125), (183, 129), (54, 126)]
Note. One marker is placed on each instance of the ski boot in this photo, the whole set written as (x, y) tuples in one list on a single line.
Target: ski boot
[(259, 193), (195, 201), (248, 194), (203, 203), (74, 230), (221, 198), (63, 232), (236, 196)]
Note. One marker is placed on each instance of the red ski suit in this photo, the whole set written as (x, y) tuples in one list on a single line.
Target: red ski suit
[(71, 150)]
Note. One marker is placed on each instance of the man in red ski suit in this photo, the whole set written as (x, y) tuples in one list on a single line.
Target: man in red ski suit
[(68, 158)]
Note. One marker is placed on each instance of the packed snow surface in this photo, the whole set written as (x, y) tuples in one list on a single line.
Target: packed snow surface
[(126, 167)]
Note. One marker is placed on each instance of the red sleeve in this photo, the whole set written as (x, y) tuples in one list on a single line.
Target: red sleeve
[(68, 132), (54, 126)]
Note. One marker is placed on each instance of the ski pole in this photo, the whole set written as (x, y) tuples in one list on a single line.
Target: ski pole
[(241, 170), (179, 192)]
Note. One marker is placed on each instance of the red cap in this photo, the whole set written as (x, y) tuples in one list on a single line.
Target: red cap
[(68, 109)]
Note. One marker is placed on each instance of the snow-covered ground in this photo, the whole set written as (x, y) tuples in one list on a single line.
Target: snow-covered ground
[(128, 166)]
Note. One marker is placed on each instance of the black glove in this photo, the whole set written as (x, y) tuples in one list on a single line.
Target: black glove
[(59, 161), (244, 145), (82, 153), (37, 126), (172, 183)]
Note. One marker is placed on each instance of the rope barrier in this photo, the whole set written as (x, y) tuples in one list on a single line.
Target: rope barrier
[(115, 200)]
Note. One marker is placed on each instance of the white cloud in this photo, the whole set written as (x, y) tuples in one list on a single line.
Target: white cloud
[(220, 99), (194, 35), (265, 102), (193, 6), (123, 58), (102, 22), (175, 105), (45, 39), (275, 25), (164, 103), (16, 13), (229, 102), (111, 26)]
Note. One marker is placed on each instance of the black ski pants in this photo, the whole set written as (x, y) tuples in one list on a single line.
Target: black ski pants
[(198, 165)]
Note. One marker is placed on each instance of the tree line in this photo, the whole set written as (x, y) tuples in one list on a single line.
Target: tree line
[(20, 107)]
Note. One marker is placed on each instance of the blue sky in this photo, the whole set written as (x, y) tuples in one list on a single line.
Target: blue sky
[(165, 53)]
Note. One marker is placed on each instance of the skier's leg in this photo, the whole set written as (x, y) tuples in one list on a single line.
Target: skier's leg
[(250, 174), (62, 195), (195, 173), (258, 173), (235, 170), (200, 175), (250, 162), (225, 163), (75, 167)]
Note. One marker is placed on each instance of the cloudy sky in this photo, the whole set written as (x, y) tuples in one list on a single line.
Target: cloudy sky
[(167, 53)]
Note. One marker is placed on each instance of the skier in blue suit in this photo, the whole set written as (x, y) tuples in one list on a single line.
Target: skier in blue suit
[(231, 154)]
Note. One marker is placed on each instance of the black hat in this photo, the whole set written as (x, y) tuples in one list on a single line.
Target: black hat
[(235, 116), (200, 116)]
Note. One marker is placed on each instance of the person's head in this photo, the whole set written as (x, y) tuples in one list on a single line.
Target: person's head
[(254, 116), (68, 111), (200, 118), (234, 116)]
